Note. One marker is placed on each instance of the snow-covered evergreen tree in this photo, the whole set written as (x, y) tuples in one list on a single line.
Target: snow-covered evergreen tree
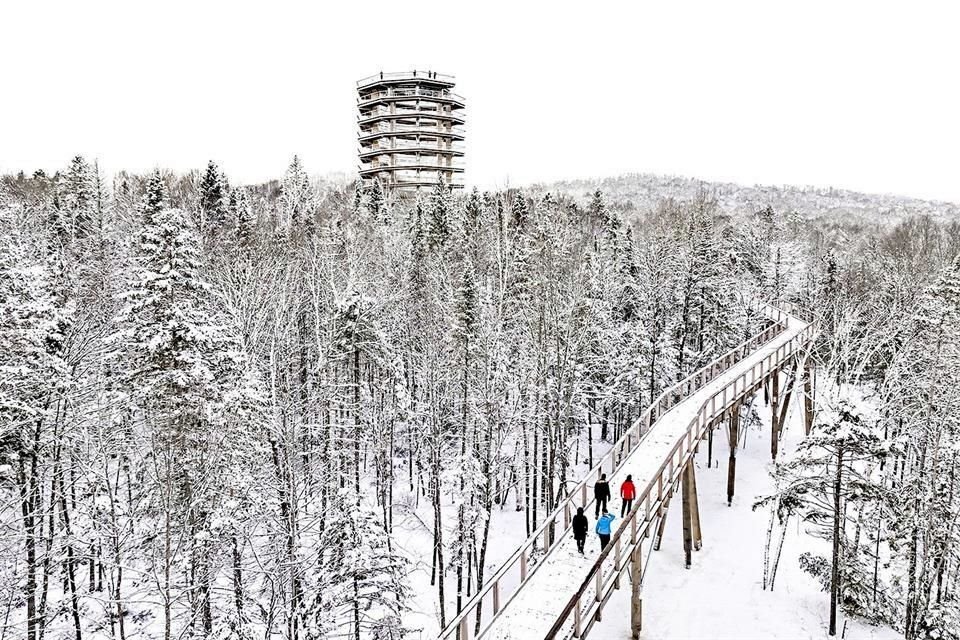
[(213, 199)]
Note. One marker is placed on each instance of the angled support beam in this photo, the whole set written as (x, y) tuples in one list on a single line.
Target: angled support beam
[(774, 414), (791, 383), (808, 373), (663, 521)]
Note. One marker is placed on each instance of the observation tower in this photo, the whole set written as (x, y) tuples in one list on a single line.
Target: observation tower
[(410, 130)]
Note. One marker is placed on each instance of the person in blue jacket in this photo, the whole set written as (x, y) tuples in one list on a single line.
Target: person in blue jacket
[(603, 528)]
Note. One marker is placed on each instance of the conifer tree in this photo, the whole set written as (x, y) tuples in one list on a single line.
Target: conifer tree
[(178, 369), (360, 581), (440, 214), (78, 197), (824, 481), (213, 199), (519, 211), (243, 218), (297, 198)]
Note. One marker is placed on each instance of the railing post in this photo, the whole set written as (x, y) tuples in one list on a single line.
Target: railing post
[(523, 566), (496, 597), (576, 620), (464, 629), (616, 565)]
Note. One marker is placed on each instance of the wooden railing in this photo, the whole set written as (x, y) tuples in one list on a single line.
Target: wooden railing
[(405, 75), (627, 543), (523, 563), (409, 93)]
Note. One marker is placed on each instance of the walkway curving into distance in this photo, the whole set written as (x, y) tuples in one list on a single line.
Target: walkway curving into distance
[(560, 593)]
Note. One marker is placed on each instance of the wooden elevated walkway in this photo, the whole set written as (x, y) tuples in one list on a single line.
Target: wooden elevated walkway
[(548, 590)]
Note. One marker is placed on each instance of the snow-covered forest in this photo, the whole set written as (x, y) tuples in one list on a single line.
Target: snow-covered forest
[(301, 410)]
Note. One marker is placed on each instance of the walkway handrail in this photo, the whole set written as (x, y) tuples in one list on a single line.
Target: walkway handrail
[(627, 541), (458, 627)]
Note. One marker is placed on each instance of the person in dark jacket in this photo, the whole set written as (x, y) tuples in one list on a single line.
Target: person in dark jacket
[(627, 493), (580, 526), (603, 528), (601, 493)]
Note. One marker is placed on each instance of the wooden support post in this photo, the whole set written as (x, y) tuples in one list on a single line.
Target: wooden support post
[(734, 434), (636, 601), (774, 414), (710, 446), (807, 397), (691, 515), (695, 510), (599, 598)]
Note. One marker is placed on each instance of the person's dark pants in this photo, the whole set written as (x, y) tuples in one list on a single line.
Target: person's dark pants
[(580, 542), (601, 504), (625, 507), (604, 540)]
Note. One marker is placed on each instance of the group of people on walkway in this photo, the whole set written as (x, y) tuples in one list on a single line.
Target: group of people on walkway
[(601, 495)]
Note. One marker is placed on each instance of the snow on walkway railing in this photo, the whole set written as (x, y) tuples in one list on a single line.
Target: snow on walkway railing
[(524, 560), (626, 545)]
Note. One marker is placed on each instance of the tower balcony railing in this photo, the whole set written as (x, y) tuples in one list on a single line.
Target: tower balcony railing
[(458, 114), (418, 92), (408, 128), (403, 75), (426, 163), (386, 147)]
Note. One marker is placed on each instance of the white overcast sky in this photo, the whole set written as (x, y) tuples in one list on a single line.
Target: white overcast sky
[(863, 95)]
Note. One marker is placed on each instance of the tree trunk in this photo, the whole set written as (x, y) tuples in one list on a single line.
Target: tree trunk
[(835, 566)]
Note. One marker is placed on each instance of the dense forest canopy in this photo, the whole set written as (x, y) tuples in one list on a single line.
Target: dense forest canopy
[(216, 400)]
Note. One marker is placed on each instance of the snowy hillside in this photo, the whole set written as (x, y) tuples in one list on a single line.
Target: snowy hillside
[(645, 191)]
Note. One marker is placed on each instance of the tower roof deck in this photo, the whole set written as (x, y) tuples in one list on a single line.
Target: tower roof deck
[(398, 77)]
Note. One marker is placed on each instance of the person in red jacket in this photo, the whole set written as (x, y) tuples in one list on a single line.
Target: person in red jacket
[(627, 493)]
